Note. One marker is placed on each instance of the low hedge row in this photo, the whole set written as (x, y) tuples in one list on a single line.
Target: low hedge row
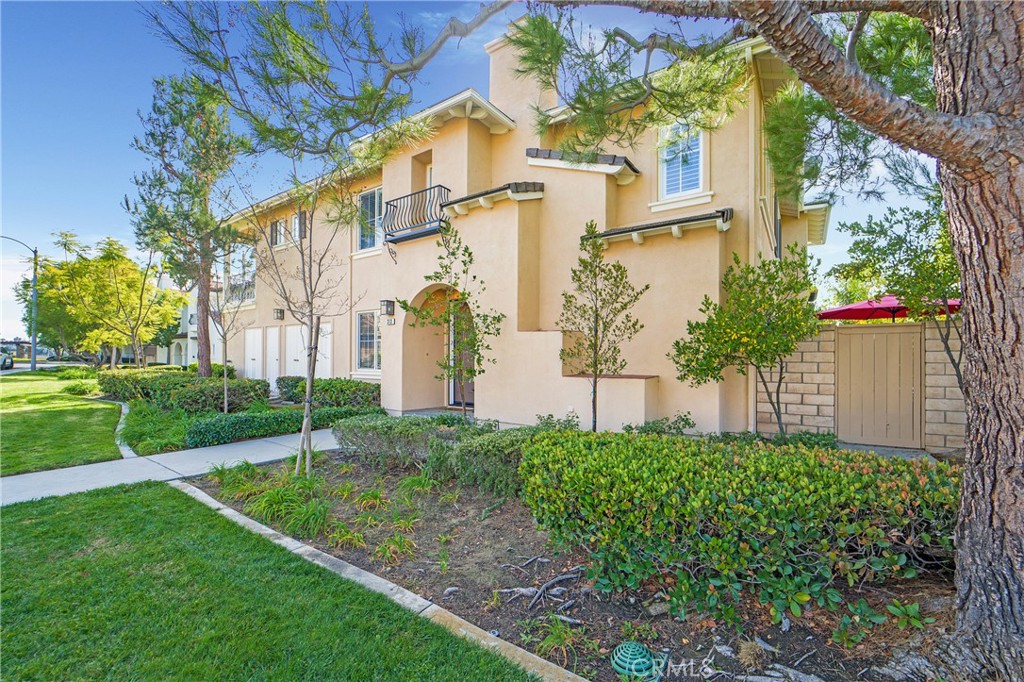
[(228, 428), (216, 369), (782, 522), (330, 392), (402, 442), (180, 390), (489, 461)]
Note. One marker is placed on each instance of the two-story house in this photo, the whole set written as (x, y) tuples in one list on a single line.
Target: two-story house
[(674, 220)]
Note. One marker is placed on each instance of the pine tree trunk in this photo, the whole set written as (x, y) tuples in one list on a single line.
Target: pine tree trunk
[(979, 67), (203, 311)]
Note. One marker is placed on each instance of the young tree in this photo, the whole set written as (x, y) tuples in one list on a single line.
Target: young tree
[(225, 299), (56, 326), (113, 294), (596, 313), (913, 249), (188, 140), (765, 312), (458, 313)]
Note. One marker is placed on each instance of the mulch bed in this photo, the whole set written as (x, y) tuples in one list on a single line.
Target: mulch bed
[(494, 547)]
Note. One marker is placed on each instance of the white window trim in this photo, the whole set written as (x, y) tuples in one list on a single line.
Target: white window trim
[(701, 195), (366, 372), (294, 232), (283, 237), (368, 252), (379, 232)]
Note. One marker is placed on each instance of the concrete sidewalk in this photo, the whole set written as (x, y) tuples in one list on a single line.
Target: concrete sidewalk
[(165, 467)]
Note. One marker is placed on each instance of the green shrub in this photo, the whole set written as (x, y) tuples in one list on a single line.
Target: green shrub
[(402, 442), (549, 422), (490, 461), (288, 388), (216, 368), (173, 390), (228, 428), (811, 440), (340, 393), (677, 426), (81, 387), (149, 429), (71, 373), (783, 522)]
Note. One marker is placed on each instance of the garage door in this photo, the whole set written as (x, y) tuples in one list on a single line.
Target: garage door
[(254, 353), (878, 384), (295, 350)]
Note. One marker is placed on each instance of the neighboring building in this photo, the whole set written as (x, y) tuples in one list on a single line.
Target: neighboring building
[(184, 349), (673, 220)]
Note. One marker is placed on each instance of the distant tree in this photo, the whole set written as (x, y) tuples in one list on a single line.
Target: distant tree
[(596, 314), (164, 337), (117, 297), (188, 140), (57, 327), (913, 249), (765, 311), (458, 313)]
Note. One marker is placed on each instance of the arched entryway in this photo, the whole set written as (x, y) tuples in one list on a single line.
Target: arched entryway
[(179, 355), (427, 346)]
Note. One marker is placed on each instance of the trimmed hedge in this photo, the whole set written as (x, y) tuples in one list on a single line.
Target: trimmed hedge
[(288, 388), (402, 442), (216, 368), (180, 390), (785, 523), (489, 461), (342, 393), (228, 428)]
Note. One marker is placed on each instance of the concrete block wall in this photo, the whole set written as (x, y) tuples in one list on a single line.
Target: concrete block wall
[(808, 394), (945, 416)]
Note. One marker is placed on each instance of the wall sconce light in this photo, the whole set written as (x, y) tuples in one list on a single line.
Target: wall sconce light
[(278, 313), (387, 307)]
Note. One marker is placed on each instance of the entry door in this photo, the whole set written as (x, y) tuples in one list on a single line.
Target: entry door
[(254, 353), (294, 351), (459, 396), (878, 384), (273, 356)]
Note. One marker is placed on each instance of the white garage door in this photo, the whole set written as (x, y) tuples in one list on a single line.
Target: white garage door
[(295, 350), (254, 353), (273, 355)]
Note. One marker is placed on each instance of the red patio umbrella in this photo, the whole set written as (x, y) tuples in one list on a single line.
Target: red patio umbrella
[(887, 306)]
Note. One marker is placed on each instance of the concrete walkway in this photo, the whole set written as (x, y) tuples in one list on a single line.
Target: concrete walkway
[(165, 467)]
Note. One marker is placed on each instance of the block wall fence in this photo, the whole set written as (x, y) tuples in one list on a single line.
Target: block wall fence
[(808, 395)]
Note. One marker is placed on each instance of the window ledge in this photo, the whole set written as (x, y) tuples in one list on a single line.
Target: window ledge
[(366, 374), (367, 253), (681, 201)]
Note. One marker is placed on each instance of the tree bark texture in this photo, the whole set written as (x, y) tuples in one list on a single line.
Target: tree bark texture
[(979, 68), (203, 312)]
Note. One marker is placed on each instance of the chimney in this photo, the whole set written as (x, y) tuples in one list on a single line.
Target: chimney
[(513, 94)]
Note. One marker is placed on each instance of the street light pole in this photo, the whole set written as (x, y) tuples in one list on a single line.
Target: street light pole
[(35, 296)]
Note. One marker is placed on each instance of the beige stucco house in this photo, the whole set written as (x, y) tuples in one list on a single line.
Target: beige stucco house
[(673, 220)]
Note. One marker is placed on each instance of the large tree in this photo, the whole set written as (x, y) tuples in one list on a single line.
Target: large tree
[(974, 131), (188, 140)]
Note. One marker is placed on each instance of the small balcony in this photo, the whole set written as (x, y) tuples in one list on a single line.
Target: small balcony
[(241, 290), (415, 215)]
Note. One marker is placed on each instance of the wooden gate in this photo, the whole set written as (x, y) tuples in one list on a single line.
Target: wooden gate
[(879, 394)]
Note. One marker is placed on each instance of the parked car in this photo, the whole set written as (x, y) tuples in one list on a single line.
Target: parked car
[(6, 361)]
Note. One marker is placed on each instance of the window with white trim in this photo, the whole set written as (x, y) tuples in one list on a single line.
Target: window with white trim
[(368, 341), (296, 234), (277, 233), (680, 165), (371, 214)]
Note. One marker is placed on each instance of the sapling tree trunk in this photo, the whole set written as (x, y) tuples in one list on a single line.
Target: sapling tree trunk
[(306, 439)]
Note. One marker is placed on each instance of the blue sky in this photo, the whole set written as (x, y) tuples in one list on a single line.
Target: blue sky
[(74, 76)]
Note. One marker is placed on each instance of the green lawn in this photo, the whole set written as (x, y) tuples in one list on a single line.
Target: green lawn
[(143, 583), (42, 428)]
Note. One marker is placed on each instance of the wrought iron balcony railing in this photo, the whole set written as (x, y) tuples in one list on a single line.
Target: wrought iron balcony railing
[(414, 215), (242, 290)]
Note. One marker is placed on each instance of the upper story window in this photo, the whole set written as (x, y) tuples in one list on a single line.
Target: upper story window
[(278, 235), (371, 215), (681, 163), (296, 232), (368, 341)]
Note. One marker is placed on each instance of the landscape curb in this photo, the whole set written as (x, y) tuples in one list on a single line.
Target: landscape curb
[(420, 606), (126, 451)]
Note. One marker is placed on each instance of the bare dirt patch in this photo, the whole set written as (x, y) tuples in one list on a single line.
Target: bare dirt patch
[(484, 559)]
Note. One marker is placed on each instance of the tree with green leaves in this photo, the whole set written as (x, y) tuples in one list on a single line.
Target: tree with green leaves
[(116, 297), (57, 327), (458, 314), (596, 314), (913, 249), (765, 312), (179, 211)]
